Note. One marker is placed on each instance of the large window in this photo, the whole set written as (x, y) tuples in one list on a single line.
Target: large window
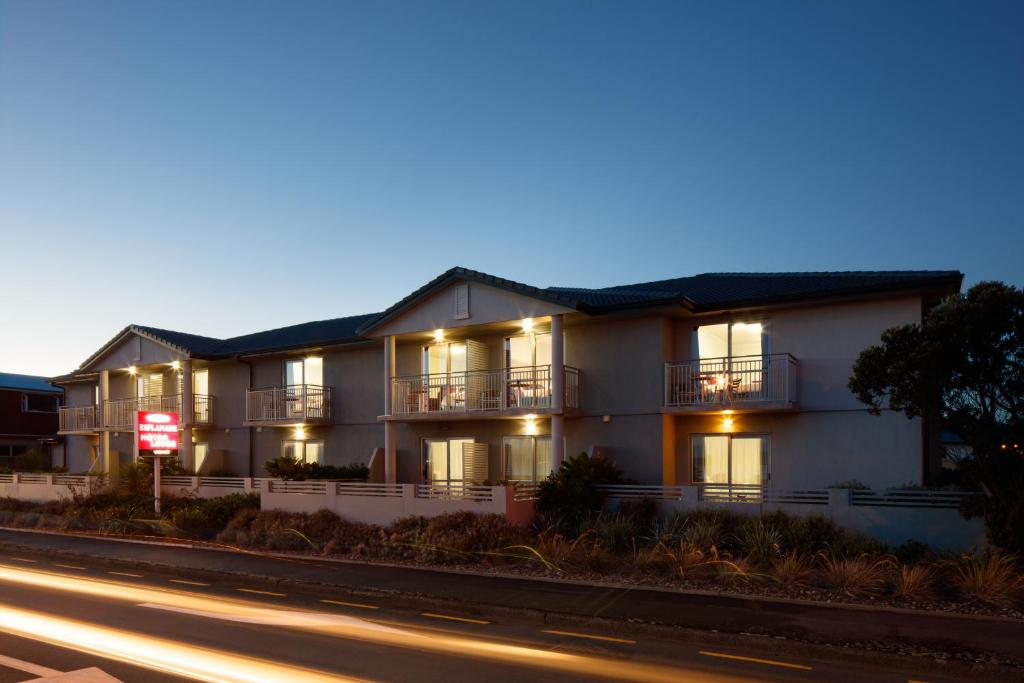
[(304, 371), (528, 364), (527, 458), (304, 451), (730, 340), (39, 403), (734, 460), (304, 379), (443, 460)]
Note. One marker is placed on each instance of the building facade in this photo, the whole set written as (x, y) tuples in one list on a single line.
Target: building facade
[(28, 418), (736, 380)]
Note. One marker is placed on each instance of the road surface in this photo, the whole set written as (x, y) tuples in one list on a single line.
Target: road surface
[(62, 615)]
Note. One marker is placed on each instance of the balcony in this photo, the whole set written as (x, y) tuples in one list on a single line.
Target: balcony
[(78, 420), (120, 413), (290, 405), (746, 383), (512, 391)]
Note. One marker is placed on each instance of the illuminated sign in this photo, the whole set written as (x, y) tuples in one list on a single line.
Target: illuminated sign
[(157, 431)]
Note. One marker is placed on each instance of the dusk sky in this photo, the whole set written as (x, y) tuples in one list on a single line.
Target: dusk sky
[(226, 167)]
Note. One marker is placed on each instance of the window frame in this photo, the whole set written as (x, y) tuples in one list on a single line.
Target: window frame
[(766, 459), (505, 471), (303, 460), (766, 336), (26, 409), (424, 471)]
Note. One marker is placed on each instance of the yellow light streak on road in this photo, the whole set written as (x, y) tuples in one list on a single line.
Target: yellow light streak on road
[(168, 656), (354, 628)]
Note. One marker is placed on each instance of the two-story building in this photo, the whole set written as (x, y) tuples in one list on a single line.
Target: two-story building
[(28, 417), (726, 379)]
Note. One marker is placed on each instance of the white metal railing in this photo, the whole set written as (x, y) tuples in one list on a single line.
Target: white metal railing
[(77, 418), (475, 390), (911, 498), (637, 491), (292, 403), (455, 490), (120, 413), (345, 488), (731, 380)]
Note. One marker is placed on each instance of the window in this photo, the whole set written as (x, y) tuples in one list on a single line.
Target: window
[(730, 340), (734, 460), (461, 296), (443, 461), (528, 363), (39, 403), (304, 451), (304, 371), (449, 359), (527, 458), (304, 393)]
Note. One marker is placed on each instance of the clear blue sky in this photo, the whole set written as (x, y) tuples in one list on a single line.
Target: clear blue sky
[(223, 167)]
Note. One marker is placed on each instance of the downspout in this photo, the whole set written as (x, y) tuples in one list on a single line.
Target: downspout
[(251, 471)]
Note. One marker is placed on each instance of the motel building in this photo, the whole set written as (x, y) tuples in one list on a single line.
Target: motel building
[(733, 380)]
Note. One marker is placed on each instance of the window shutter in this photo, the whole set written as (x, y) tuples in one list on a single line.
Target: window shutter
[(461, 301), (474, 463)]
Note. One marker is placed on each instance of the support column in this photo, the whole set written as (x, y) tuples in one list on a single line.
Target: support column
[(390, 436), (557, 391), (187, 417), (557, 441), (107, 461)]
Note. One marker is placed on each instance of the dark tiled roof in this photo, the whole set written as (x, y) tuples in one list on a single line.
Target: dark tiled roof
[(705, 292)]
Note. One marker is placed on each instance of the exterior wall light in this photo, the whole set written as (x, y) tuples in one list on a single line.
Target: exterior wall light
[(528, 325), (132, 369), (175, 365), (438, 335), (531, 424)]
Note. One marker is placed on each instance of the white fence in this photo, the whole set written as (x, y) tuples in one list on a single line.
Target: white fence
[(42, 488), (208, 487), (930, 517), (384, 503)]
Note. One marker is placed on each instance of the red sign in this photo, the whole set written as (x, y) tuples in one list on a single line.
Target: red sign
[(158, 431)]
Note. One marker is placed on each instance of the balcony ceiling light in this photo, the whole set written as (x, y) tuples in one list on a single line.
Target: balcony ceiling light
[(132, 369), (175, 365), (527, 325), (438, 335)]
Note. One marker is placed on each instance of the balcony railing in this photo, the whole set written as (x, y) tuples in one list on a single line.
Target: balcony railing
[(525, 388), (78, 419), (120, 413), (292, 404), (736, 380)]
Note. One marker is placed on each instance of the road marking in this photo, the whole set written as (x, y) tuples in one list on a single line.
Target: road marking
[(28, 667), (592, 637), (253, 590), (189, 583), (133, 576), (432, 615), (69, 566), (756, 660), (349, 604), (23, 559)]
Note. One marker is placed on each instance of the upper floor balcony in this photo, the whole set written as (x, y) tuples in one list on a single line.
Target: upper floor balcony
[(120, 413), (511, 391), (78, 420), (707, 385), (289, 405)]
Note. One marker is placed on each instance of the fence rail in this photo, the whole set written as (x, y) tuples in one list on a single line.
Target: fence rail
[(477, 390), (912, 498), (309, 487), (525, 492), (731, 380), (292, 403), (638, 491), (346, 488), (460, 491)]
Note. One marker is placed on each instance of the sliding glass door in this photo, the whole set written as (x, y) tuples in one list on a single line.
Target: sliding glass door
[(730, 460), (527, 458), (443, 461)]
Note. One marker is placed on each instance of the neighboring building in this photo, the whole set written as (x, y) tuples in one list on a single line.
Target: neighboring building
[(735, 379), (28, 416)]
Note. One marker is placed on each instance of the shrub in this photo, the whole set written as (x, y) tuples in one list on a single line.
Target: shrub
[(31, 460), (286, 467), (853, 576), (761, 540), (569, 497), (792, 570), (912, 582), (205, 518), (992, 578)]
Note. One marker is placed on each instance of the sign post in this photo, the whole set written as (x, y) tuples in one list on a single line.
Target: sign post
[(156, 437)]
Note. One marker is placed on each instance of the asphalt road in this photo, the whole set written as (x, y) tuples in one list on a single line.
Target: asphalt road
[(143, 625)]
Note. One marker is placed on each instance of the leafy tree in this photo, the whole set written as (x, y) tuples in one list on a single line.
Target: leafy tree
[(963, 366), (569, 496)]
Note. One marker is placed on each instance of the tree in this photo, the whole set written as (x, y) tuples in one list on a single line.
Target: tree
[(963, 366)]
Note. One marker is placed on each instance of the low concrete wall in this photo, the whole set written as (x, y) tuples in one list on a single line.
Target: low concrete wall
[(384, 503), (43, 488), (893, 517), (207, 487)]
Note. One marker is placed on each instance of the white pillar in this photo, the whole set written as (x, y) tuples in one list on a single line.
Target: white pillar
[(557, 391), (187, 416), (390, 454), (390, 445), (557, 364), (106, 460), (557, 441)]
